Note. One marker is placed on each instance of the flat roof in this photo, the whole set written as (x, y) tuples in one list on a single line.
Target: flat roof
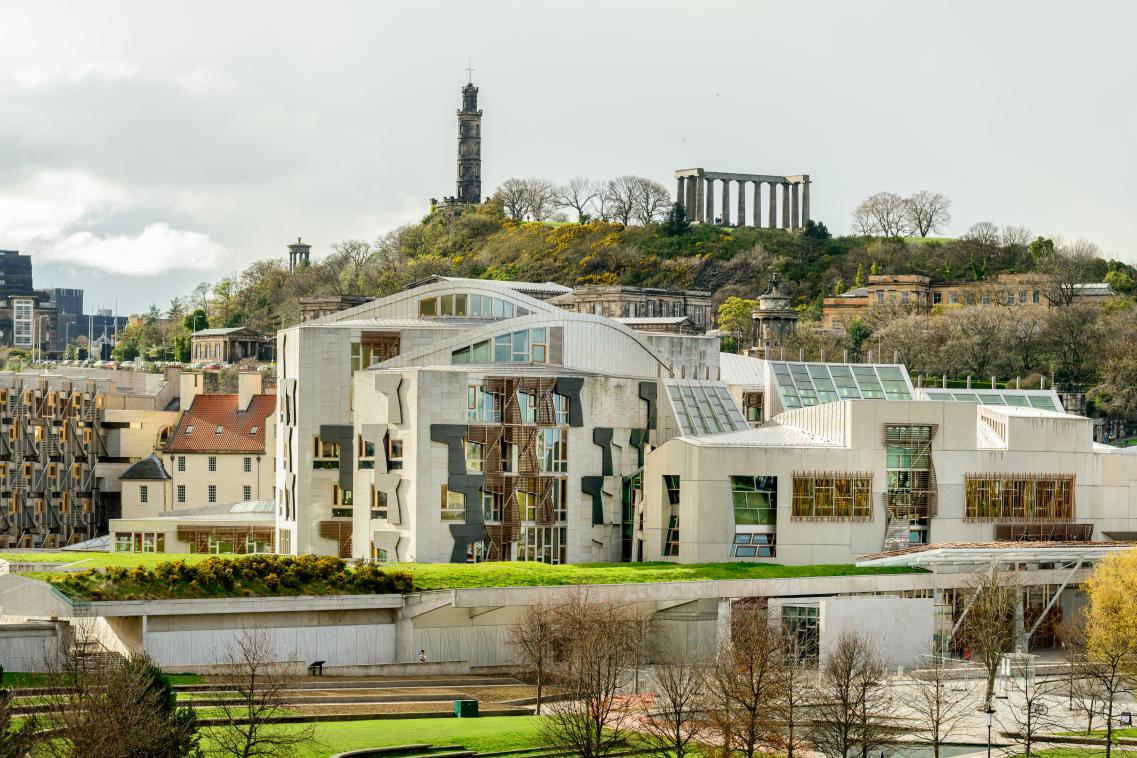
[(978, 553)]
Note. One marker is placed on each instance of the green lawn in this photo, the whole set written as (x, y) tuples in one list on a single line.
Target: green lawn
[(104, 559), (19, 679), (1077, 751), (1125, 732), (437, 576), (491, 733)]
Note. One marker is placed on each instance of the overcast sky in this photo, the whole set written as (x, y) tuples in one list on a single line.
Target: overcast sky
[(148, 146)]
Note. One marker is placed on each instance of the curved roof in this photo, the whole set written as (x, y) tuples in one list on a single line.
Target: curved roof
[(610, 347), (147, 469), (404, 304)]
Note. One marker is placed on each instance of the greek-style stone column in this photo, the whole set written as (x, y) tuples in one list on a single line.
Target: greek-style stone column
[(758, 204), (773, 210), (741, 202), (726, 202), (793, 206), (709, 212), (805, 200), (690, 204), (680, 197), (785, 205), (700, 198)]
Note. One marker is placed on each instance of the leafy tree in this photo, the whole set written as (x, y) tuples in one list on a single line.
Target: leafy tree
[(874, 269), (816, 231), (15, 741), (676, 222), (736, 317), (860, 280), (857, 333), (838, 286)]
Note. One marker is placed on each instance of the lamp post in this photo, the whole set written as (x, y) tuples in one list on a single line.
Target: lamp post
[(990, 722)]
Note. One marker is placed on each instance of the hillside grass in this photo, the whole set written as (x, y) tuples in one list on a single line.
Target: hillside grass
[(102, 559)]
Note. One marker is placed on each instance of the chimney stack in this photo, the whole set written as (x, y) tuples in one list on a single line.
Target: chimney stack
[(248, 384), (189, 387)]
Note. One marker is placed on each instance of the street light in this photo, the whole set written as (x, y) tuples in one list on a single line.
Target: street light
[(990, 722)]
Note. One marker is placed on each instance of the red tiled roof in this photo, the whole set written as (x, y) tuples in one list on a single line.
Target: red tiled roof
[(208, 412)]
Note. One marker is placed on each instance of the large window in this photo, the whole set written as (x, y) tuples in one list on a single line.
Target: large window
[(832, 497), (492, 506), (802, 624), (911, 492), (475, 456), (1019, 497), (525, 346), (378, 503), (483, 405), (552, 450), (755, 499), (465, 305), (526, 505), (544, 544), (671, 484), (453, 505), (140, 542), (325, 455)]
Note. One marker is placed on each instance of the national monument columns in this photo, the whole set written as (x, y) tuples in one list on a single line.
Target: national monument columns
[(695, 191)]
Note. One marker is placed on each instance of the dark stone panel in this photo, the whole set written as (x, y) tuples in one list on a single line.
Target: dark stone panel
[(649, 392), (570, 387), (594, 485), (602, 436), (451, 435), (342, 434), (458, 480)]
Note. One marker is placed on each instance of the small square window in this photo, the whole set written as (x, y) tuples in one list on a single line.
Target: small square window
[(213, 463), (246, 493), (212, 493), (181, 493)]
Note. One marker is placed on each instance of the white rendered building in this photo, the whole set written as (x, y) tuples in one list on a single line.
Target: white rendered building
[(854, 460), (463, 419)]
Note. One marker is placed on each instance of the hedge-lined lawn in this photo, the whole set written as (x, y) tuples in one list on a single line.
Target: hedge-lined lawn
[(20, 680), (130, 576), (491, 733), (438, 576)]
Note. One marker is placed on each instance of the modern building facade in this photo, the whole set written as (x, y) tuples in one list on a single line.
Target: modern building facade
[(644, 308), (463, 419), (848, 460)]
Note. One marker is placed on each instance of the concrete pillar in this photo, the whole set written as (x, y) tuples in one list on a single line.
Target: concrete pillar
[(404, 637), (785, 205), (805, 199), (700, 195), (793, 205), (741, 221), (772, 216), (722, 622), (689, 203), (680, 196), (726, 202), (709, 208), (758, 204)]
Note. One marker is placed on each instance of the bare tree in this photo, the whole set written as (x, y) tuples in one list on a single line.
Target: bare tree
[(652, 201), (579, 194), (1067, 333), (673, 722), (984, 232), (1017, 237), (928, 212), (514, 194), (257, 682), (1030, 709), (851, 714), (595, 663), (15, 741), (795, 692), (534, 638), (1065, 268), (941, 701), (884, 214), (743, 682), (620, 197), (541, 199), (988, 628), (115, 708)]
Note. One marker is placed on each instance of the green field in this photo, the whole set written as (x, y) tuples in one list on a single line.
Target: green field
[(491, 733), (18, 679), (439, 576)]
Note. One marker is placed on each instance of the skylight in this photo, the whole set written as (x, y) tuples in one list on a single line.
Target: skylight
[(1041, 399), (704, 408), (189, 429), (219, 429), (802, 384)]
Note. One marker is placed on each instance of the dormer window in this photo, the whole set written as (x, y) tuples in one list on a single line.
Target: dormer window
[(189, 430), (254, 430), (219, 429)]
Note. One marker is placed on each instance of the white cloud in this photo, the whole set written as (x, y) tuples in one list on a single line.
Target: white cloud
[(158, 249), (109, 71), (51, 216)]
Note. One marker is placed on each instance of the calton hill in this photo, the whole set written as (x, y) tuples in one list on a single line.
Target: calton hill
[(627, 232)]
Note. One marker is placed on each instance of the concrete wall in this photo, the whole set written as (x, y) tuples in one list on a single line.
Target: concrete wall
[(33, 646), (899, 628)]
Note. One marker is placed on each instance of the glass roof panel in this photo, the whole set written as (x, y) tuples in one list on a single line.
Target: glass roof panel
[(704, 408)]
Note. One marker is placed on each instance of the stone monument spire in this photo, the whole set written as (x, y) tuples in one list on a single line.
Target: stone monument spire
[(470, 146)]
